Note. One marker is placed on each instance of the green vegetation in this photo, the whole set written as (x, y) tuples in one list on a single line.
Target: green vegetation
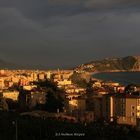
[(55, 98), (126, 63), (54, 101), (110, 64), (78, 80)]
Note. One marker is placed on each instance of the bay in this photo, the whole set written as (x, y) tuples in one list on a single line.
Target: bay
[(124, 78)]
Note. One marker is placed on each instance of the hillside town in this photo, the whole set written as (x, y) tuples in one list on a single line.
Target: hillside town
[(98, 100)]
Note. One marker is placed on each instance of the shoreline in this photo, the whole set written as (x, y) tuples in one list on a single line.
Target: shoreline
[(123, 78), (98, 72)]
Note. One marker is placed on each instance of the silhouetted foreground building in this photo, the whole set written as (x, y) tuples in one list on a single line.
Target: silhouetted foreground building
[(122, 108)]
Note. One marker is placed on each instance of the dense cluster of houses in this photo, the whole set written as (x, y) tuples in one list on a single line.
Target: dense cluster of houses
[(103, 100)]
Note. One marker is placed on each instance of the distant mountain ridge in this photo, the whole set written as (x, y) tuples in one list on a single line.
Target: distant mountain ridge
[(129, 63), (13, 66), (7, 65)]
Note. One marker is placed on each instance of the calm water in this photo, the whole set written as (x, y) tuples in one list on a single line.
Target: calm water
[(121, 77)]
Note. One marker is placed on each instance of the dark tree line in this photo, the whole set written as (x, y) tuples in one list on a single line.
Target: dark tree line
[(55, 97)]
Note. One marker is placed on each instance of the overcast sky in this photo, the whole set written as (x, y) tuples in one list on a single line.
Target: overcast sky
[(65, 33)]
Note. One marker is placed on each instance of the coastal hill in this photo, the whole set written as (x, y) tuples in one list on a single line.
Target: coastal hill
[(129, 63)]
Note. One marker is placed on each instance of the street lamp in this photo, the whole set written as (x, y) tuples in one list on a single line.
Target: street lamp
[(16, 128)]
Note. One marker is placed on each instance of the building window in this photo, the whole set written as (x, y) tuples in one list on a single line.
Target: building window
[(132, 114), (124, 119), (132, 120), (123, 100), (132, 107)]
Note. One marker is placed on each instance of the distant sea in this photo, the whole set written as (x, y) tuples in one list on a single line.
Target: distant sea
[(124, 78)]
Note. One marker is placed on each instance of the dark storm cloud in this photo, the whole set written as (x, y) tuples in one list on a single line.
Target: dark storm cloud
[(68, 32)]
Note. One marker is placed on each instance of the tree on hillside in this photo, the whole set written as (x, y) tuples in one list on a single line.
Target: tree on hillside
[(54, 101), (130, 88), (46, 84), (55, 98), (78, 80), (3, 104), (90, 88)]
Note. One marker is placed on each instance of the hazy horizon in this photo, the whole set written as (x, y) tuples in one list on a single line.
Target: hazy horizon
[(66, 33)]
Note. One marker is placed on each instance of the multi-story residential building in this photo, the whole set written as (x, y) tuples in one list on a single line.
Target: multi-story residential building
[(48, 75), (41, 76), (2, 72), (94, 103), (110, 83), (15, 79), (77, 104), (127, 109), (74, 90), (73, 95), (1, 83), (124, 108), (119, 89), (97, 84), (11, 95), (34, 76), (64, 83), (24, 99), (37, 98), (108, 107), (29, 87)]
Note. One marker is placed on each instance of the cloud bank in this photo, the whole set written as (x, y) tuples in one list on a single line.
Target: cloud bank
[(64, 33)]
